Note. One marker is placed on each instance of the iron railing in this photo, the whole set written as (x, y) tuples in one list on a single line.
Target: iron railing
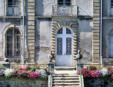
[(13, 10), (64, 10)]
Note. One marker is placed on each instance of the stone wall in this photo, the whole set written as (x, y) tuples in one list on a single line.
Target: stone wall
[(2, 9), (23, 83), (85, 40), (44, 7), (43, 40), (106, 7), (107, 29), (85, 7), (98, 82)]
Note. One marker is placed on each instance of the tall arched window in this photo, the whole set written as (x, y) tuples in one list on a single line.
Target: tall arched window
[(12, 43)]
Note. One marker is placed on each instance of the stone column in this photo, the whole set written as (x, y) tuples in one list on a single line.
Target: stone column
[(96, 32), (31, 30)]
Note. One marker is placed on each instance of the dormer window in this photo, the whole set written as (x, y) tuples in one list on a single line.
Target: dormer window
[(64, 2), (12, 7)]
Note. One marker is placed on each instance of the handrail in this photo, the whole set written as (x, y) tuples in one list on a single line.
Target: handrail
[(81, 80), (50, 77)]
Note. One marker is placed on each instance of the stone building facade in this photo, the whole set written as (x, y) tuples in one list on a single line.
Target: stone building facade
[(59, 26)]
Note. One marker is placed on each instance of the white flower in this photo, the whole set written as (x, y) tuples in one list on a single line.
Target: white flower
[(8, 72), (104, 71), (43, 73)]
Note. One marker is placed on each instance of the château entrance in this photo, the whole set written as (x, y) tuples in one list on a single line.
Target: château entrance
[(64, 47)]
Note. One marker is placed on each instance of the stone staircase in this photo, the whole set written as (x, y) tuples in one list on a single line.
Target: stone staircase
[(65, 77)]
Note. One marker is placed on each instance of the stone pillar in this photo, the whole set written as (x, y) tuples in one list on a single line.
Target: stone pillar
[(96, 32), (31, 30), (74, 27)]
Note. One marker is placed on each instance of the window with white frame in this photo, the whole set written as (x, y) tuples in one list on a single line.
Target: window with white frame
[(12, 43), (64, 42), (12, 7), (64, 2)]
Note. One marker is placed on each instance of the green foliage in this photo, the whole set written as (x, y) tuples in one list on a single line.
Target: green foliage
[(32, 68), (2, 68)]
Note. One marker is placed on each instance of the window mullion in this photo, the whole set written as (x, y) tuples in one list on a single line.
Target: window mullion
[(13, 43), (64, 3)]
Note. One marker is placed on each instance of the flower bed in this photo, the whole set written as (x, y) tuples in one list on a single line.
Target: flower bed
[(23, 76), (93, 77), (24, 71)]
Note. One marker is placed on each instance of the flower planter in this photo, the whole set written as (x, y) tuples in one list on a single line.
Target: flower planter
[(93, 77), (23, 76), (22, 82), (98, 82)]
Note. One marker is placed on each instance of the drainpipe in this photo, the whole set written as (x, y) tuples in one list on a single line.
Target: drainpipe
[(101, 35), (23, 36)]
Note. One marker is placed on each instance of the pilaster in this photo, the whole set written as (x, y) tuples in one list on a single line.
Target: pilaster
[(96, 32), (31, 29)]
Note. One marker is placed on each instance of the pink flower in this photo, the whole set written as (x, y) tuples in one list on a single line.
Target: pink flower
[(85, 72), (112, 76), (34, 74), (95, 74), (24, 67), (23, 73)]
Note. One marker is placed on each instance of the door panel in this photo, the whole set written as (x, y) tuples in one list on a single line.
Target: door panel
[(64, 48)]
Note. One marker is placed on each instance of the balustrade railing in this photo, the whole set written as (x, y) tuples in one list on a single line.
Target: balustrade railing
[(64, 10)]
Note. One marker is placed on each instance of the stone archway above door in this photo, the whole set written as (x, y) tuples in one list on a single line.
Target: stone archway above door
[(71, 23)]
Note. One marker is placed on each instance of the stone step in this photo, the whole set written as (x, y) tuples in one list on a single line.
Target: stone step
[(64, 68), (66, 84), (68, 75), (68, 72), (66, 81), (65, 78)]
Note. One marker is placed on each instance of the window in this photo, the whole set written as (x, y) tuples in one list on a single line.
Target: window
[(59, 46), (111, 3), (68, 46), (64, 2), (12, 8), (12, 43), (64, 42)]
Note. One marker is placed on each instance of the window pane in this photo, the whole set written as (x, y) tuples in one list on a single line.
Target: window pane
[(17, 31), (59, 46), (60, 2), (112, 3), (17, 46), (68, 46), (9, 46), (13, 43), (68, 2), (10, 2), (9, 32), (59, 31), (68, 31)]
